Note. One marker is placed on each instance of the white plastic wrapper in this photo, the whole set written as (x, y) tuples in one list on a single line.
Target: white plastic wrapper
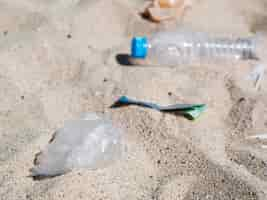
[(256, 75), (89, 142)]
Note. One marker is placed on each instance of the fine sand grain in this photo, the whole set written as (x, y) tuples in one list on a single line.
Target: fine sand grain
[(58, 59)]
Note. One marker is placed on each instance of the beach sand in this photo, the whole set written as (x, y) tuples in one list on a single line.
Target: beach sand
[(58, 60)]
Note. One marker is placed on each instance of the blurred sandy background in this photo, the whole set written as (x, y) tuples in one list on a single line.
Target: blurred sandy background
[(57, 60)]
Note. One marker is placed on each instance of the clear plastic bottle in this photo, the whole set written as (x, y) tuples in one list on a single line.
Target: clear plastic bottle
[(182, 47)]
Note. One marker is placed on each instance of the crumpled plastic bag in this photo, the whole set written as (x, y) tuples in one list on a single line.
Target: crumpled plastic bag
[(89, 142)]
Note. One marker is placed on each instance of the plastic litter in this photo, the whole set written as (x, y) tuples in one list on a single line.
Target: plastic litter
[(184, 47), (162, 10), (190, 111), (256, 75), (89, 142), (260, 137)]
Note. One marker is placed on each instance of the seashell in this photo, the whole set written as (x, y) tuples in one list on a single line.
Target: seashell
[(170, 3), (163, 10), (163, 14)]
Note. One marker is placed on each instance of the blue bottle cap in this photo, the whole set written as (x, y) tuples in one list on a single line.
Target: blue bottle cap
[(139, 47)]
